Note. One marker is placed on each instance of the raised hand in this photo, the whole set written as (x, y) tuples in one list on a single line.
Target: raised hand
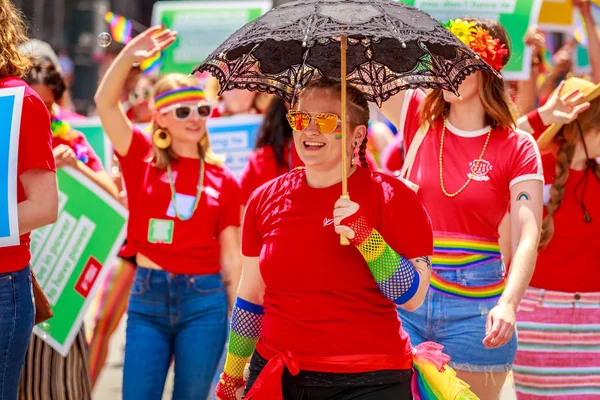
[(584, 6), (148, 43), (563, 109), (535, 38)]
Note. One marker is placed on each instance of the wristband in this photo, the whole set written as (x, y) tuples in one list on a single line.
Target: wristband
[(535, 120)]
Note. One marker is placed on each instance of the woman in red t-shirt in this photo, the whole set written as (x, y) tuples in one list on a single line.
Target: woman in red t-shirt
[(559, 317), (325, 311), (184, 214), (36, 194), (471, 166)]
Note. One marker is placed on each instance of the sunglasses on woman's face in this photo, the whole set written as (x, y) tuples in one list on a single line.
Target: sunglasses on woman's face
[(183, 112), (326, 123), (140, 94)]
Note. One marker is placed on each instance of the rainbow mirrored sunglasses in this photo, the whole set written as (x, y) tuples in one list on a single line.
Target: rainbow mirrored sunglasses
[(326, 123)]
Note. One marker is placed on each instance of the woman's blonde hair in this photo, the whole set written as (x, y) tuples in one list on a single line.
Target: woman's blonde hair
[(499, 109), (162, 157), (12, 35), (566, 140)]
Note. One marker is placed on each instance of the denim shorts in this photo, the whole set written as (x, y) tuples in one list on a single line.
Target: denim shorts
[(459, 324)]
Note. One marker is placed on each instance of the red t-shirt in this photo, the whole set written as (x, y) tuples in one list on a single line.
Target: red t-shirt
[(320, 298), (392, 157), (262, 167), (181, 247), (570, 262), (511, 157), (35, 152)]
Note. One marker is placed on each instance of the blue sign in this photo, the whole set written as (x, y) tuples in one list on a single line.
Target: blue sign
[(11, 103), (234, 137)]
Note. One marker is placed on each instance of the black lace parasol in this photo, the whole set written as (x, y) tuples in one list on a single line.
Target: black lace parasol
[(391, 47)]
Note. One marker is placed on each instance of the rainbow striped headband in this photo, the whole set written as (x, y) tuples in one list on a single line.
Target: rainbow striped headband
[(179, 95)]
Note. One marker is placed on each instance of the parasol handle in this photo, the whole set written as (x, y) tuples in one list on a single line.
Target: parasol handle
[(343, 43)]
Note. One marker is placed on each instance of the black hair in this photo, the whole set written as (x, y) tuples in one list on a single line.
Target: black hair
[(275, 130), (45, 73)]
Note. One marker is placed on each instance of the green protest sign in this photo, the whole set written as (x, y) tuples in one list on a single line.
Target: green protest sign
[(201, 26), (515, 15), (70, 257)]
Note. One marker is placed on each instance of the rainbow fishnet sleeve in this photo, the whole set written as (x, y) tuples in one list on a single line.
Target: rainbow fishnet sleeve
[(246, 327), (396, 277)]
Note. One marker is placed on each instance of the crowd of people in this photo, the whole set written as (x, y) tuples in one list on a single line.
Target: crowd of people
[(473, 223)]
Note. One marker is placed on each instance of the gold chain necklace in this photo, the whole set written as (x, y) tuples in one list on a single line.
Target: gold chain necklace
[(198, 191), (487, 140)]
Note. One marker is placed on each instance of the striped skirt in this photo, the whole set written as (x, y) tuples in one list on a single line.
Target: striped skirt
[(47, 375), (559, 345)]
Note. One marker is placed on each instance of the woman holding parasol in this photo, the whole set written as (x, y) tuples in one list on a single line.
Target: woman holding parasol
[(470, 165), (327, 319), (296, 309)]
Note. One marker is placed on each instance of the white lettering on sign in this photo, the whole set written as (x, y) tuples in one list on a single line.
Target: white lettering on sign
[(54, 246), (72, 253), (40, 235), (229, 141)]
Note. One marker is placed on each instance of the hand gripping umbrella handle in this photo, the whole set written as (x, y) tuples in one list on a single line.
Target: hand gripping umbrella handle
[(343, 239)]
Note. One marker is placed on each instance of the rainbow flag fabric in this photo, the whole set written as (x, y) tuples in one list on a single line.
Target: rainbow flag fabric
[(120, 27), (152, 64), (454, 251), (580, 33)]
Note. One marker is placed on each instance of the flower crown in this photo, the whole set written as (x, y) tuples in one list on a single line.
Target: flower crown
[(480, 41)]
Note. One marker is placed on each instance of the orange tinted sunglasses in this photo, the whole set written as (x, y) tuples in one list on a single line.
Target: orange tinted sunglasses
[(326, 123)]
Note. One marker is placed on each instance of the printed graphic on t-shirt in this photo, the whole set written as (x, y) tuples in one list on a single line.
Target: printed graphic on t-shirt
[(160, 231), (328, 221), (479, 171), (185, 206)]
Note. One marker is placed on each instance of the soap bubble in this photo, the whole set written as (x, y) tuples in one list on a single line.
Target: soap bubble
[(104, 39)]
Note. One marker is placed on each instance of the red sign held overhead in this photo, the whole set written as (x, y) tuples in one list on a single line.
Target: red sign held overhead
[(88, 277)]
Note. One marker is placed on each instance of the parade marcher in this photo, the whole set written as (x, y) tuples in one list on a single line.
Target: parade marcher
[(184, 224), (322, 316), (470, 166), (47, 374), (37, 198), (559, 317)]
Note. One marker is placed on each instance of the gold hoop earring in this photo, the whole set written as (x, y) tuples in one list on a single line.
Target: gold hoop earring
[(161, 139)]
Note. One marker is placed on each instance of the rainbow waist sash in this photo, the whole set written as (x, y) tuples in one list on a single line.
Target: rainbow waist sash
[(453, 289), (454, 251)]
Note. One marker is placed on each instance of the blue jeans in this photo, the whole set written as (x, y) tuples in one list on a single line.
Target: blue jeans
[(180, 317), (459, 324), (17, 312)]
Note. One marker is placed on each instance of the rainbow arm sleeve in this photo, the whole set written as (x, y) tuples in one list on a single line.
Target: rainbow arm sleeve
[(396, 277), (246, 327)]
